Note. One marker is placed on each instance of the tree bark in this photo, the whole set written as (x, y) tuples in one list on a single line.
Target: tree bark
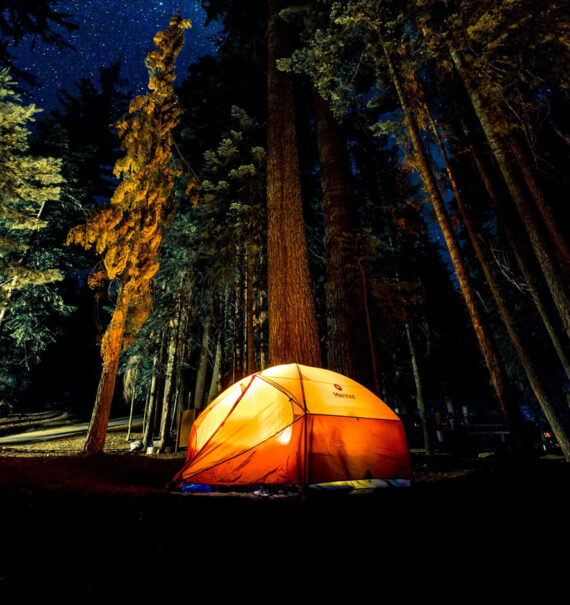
[(419, 393), (335, 184), (293, 336), (539, 244), (504, 312), (488, 348), (111, 350)]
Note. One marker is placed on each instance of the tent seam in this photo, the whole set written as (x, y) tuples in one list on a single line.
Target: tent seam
[(225, 419), (245, 451)]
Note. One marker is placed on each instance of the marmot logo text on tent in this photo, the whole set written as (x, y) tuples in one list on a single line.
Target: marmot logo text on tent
[(345, 395)]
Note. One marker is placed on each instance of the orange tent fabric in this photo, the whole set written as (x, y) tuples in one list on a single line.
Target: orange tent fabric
[(294, 424)]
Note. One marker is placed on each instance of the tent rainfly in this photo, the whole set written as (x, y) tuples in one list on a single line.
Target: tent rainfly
[(297, 425)]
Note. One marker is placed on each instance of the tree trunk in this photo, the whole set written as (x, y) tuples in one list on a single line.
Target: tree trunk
[(261, 328), (539, 244), (560, 244), (169, 382), (369, 330), (203, 362), (111, 350), (504, 312), (216, 380), (293, 336), (237, 322), (482, 331), (419, 393), (216, 372), (335, 184), (521, 261), (250, 343), (151, 403), (166, 395), (178, 382), (131, 416)]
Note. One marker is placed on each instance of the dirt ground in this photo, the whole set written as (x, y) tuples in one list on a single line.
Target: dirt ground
[(104, 529), (116, 443)]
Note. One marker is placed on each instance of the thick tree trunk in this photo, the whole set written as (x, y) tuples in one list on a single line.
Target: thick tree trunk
[(548, 264), (293, 333), (335, 183), (522, 262), (111, 350), (419, 392), (504, 312), (488, 348)]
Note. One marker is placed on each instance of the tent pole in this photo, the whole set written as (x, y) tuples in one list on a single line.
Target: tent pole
[(305, 487)]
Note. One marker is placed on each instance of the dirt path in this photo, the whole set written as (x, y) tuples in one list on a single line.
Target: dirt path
[(60, 432)]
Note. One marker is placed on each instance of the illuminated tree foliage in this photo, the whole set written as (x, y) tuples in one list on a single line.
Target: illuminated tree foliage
[(128, 232), (31, 259), (27, 185)]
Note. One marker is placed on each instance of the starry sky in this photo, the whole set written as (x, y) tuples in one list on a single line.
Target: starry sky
[(110, 30)]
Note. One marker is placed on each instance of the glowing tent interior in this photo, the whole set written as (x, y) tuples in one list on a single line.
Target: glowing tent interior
[(297, 425)]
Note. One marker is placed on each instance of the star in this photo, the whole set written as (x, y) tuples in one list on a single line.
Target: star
[(109, 31)]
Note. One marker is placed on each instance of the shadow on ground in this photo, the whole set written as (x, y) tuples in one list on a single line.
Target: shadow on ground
[(103, 530)]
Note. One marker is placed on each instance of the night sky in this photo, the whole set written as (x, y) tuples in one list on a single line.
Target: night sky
[(110, 30)]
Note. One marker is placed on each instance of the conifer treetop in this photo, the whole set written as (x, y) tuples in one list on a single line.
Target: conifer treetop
[(128, 232)]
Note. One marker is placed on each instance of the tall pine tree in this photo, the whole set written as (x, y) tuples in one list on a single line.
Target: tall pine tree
[(128, 233)]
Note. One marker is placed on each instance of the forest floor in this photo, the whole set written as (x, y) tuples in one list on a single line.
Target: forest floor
[(104, 529)]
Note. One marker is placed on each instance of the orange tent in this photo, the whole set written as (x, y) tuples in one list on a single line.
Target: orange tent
[(297, 425)]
